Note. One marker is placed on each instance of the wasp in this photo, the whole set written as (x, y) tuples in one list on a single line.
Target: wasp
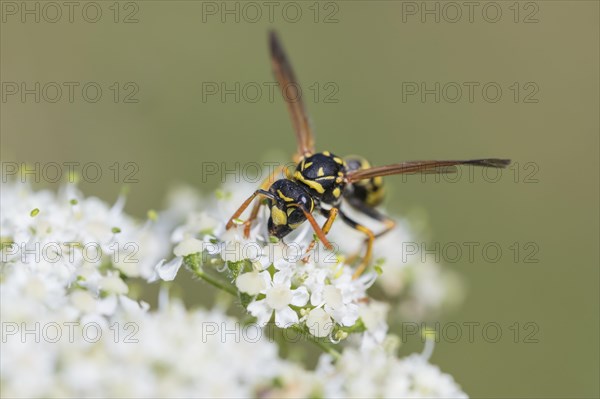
[(322, 180)]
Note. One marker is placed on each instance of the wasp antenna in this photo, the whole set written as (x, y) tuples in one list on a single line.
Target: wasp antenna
[(491, 162)]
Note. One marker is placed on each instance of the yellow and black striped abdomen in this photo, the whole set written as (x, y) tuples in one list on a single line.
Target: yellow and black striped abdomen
[(369, 191)]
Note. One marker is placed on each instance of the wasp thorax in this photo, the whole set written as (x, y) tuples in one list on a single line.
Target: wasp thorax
[(286, 207), (368, 191), (323, 174)]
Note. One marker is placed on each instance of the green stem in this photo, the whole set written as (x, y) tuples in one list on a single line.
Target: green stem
[(215, 282), (231, 290)]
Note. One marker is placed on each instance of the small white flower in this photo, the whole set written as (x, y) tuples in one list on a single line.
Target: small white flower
[(113, 284), (374, 316), (319, 323), (188, 246), (83, 301), (281, 256), (339, 298), (251, 283), (237, 250), (279, 295)]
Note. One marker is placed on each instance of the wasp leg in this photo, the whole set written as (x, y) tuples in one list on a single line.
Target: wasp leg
[(369, 241), (330, 215), (245, 205), (318, 231), (373, 214), (253, 216), (263, 186)]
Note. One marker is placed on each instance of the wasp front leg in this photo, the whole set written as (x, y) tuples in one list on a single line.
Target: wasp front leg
[(245, 205), (330, 215)]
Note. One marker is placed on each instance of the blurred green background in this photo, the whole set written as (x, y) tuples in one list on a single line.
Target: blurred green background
[(368, 51)]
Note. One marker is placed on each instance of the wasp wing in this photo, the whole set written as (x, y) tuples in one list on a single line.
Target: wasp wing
[(427, 167), (292, 94)]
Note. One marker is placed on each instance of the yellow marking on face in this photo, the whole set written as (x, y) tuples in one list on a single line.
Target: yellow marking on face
[(289, 210), (310, 183), (320, 172), (327, 153), (295, 225), (337, 192), (279, 216), (338, 160), (283, 197)]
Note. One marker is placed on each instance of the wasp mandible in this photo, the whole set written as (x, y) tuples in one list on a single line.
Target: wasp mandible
[(321, 179)]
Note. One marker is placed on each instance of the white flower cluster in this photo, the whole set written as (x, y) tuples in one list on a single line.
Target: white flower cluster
[(69, 252), (71, 328), (377, 374), (168, 353)]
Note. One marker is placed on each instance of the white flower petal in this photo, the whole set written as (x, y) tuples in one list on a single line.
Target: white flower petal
[(283, 277), (333, 296), (168, 271), (346, 315), (316, 298), (233, 251), (261, 311), (285, 317), (251, 283), (299, 296), (188, 246), (107, 306), (266, 276), (279, 296), (113, 284), (319, 323)]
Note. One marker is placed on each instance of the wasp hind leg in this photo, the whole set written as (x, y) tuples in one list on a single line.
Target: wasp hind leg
[(373, 213)]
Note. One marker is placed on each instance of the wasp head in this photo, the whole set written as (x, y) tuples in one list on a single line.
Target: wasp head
[(288, 205)]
